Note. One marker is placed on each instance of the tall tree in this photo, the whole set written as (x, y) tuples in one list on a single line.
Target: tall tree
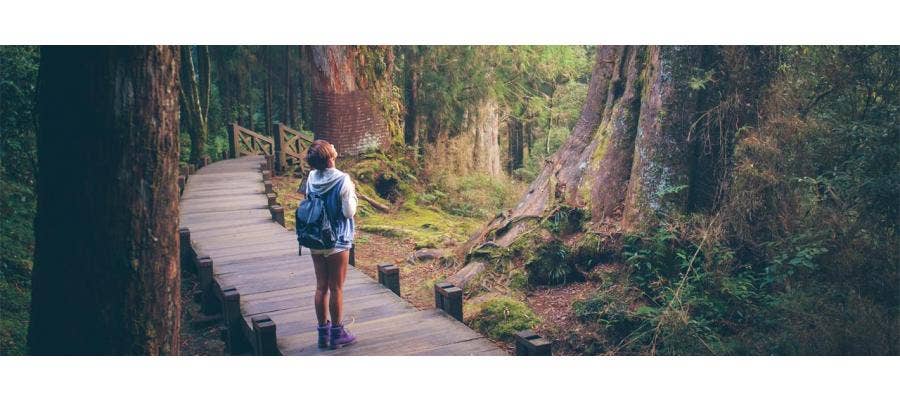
[(657, 128), (106, 273), (195, 91), (411, 84), (268, 59), (344, 98), (289, 112)]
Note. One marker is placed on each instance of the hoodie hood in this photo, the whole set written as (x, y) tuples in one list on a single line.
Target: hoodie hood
[(322, 181)]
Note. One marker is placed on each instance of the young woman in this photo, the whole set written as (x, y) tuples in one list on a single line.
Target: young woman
[(339, 196)]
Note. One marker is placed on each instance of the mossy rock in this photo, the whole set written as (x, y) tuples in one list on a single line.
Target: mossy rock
[(501, 317)]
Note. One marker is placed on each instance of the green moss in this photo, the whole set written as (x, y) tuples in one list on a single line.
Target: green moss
[(500, 318), (426, 226), (518, 280)]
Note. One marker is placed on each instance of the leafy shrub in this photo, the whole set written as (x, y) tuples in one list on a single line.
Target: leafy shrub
[(549, 264)]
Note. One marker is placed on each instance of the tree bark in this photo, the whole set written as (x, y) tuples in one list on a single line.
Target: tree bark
[(106, 272), (411, 122), (344, 111)]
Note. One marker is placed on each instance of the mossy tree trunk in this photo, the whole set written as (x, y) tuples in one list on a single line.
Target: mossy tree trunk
[(106, 272), (654, 137)]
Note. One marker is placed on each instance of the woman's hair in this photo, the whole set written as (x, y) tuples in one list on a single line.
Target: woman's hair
[(319, 153)]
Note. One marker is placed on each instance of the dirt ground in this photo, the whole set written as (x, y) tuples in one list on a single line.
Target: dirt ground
[(200, 335)]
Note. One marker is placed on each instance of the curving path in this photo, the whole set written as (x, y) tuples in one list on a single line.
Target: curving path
[(265, 288)]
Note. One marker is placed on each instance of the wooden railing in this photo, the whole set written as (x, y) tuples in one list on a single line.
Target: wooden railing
[(244, 142), (290, 147)]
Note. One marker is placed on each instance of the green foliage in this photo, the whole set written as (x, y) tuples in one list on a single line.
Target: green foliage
[(541, 86), (474, 195), (567, 220), (18, 123), (549, 264), (500, 318)]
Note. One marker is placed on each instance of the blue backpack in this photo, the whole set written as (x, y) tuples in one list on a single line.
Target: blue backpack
[(313, 227)]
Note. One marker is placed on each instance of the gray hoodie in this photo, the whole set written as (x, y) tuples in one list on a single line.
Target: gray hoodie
[(321, 181)]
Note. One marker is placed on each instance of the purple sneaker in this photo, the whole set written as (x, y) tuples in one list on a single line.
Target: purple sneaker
[(340, 337), (324, 331)]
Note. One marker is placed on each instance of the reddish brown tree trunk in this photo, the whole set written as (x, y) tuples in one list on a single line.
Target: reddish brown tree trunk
[(106, 272), (344, 112)]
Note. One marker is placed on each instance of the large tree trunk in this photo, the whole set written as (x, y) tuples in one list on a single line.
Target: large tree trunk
[(344, 109), (475, 148), (106, 273), (654, 138), (195, 92)]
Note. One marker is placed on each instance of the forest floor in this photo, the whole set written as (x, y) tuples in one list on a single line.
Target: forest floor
[(200, 335)]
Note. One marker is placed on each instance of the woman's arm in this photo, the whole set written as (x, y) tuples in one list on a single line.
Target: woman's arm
[(348, 197)]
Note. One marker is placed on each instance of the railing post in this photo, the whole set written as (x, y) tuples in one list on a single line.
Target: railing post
[(205, 278), (277, 214), (184, 237), (233, 139), (278, 140), (389, 276), (181, 182), (449, 298), (268, 186), (273, 199), (231, 307), (529, 343), (264, 337), (353, 254), (267, 175)]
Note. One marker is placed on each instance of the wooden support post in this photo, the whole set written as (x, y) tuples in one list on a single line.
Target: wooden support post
[(268, 185), (277, 214), (267, 175), (181, 182), (270, 161), (185, 249), (264, 336), (353, 255), (224, 154), (204, 161), (183, 170), (529, 343), (233, 138), (389, 276), (449, 298), (205, 277), (278, 139), (191, 169), (231, 308), (273, 199)]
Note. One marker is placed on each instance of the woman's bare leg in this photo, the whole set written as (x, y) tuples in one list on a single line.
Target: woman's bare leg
[(337, 272), (322, 276)]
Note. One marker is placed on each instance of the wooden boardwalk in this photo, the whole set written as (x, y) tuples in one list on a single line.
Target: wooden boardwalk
[(265, 288)]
